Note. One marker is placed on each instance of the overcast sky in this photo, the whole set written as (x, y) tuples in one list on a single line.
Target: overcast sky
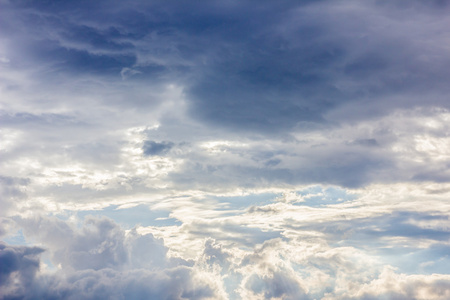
[(225, 149)]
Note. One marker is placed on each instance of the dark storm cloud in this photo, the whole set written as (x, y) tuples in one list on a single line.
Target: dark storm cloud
[(301, 62), (263, 66)]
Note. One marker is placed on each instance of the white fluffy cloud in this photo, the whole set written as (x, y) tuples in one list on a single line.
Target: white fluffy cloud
[(99, 259)]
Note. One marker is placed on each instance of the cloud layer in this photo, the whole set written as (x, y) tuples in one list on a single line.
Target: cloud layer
[(224, 150)]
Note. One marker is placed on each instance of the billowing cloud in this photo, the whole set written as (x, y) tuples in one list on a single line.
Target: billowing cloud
[(224, 150), (97, 260)]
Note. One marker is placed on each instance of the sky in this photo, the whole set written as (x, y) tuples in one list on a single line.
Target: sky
[(224, 149)]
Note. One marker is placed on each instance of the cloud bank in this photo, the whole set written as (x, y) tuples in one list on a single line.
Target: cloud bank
[(224, 150)]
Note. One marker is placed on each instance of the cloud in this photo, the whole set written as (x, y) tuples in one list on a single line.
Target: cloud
[(365, 142), (402, 286), (288, 86), (338, 250), (127, 72), (97, 260), (100, 244), (177, 283), (308, 60), (18, 269), (293, 150), (300, 66), (12, 189), (275, 286), (155, 148)]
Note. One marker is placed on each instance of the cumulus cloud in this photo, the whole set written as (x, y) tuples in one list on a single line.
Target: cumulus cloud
[(176, 283), (100, 244), (292, 249), (97, 260)]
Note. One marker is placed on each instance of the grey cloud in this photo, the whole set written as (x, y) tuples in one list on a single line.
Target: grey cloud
[(155, 148), (325, 164), (277, 82), (396, 224), (291, 65), (176, 283), (51, 231), (100, 244), (272, 162), (364, 142), (393, 149), (275, 286), (262, 210), (18, 267), (315, 59), (146, 251), (13, 187), (25, 120), (12, 191), (7, 225), (105, 153), (438, 173), (380, 233), (230, 232), (214, 254)]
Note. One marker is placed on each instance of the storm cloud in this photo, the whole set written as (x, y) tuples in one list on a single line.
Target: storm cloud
[(224, 149)]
